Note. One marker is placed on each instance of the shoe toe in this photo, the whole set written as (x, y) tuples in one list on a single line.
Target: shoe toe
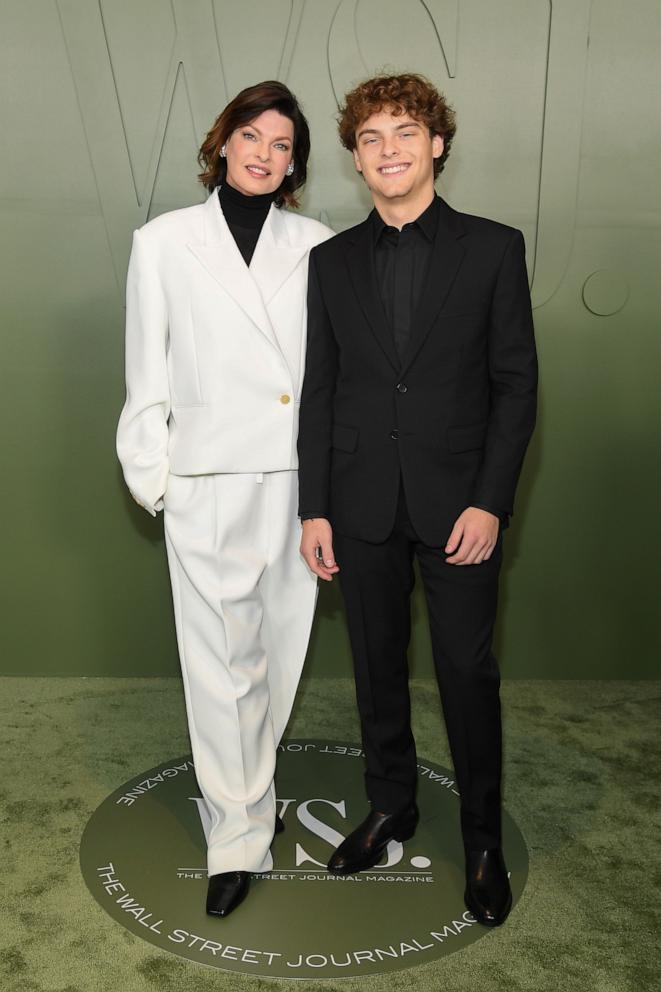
[(488, 911), (226, 890), (338, 863)]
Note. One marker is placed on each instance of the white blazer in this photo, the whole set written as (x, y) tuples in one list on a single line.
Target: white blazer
[(215, 350)]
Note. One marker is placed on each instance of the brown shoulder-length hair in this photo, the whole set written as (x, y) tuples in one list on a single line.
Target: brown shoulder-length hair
[(244, 108), (406, 93)]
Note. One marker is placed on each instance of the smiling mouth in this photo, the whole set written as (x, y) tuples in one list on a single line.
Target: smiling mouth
[(257, 171), (393, 170)]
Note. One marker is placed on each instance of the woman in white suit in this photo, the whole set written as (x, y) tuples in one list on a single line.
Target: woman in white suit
[(215, 349)]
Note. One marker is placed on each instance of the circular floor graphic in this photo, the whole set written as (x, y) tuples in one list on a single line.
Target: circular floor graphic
[(143, 859)]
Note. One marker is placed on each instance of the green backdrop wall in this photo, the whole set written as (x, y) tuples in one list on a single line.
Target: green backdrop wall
[(104, 106)]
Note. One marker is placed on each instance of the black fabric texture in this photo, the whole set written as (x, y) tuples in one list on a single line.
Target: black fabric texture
[(245, 216)]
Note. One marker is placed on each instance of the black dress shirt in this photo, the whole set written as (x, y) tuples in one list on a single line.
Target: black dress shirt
[(245, 216), (401, 260)]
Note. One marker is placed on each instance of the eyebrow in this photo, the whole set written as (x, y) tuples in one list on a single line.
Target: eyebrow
[(284, 137), (373, 130)]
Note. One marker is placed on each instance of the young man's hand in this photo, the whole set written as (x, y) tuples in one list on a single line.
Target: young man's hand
[(473, 537), (317, 533)]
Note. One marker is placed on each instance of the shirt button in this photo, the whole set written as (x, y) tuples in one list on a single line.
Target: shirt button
[(401, 387), (284, 398), (394, 435)]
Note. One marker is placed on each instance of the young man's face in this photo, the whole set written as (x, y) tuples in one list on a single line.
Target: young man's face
[(396, 155)]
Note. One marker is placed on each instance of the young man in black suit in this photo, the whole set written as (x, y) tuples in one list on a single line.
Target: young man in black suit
[(418, 403)]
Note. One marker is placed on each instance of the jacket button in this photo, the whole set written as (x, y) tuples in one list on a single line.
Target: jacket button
[(401, 387), (394, 435), (284, 398)]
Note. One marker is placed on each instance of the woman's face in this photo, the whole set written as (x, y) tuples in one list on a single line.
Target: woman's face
[(258, 153)]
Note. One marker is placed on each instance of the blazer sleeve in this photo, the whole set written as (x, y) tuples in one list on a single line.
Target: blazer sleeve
[(512, 360), (316, 410), (142, 432)]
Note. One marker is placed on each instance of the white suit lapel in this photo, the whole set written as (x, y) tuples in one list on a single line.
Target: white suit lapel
[(222, 259), (275, 258)]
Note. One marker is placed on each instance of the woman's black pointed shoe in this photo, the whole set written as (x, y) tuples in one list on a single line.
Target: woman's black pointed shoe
[(226, 891)]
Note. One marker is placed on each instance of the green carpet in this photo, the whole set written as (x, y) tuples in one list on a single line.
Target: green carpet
[(581, 780)]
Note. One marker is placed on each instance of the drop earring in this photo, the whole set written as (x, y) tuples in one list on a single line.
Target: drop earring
[(223, 151), (290, 169)]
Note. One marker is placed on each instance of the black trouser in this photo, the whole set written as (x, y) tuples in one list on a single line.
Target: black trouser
[(376, 581)]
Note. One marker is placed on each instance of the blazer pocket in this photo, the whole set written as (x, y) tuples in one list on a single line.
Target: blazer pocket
[(466, 438), (344, 438)]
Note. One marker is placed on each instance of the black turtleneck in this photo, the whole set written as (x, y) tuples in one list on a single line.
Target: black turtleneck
[(245, 216)]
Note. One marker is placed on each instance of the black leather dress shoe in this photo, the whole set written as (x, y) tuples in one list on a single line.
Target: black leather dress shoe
[(488, 894), (226, 891), (366, 845)]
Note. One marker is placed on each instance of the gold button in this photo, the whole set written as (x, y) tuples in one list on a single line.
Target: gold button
[(284, 398)]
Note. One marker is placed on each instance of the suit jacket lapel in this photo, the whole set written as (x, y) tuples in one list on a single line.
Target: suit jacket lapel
[(222, 259), (275, 258), (447, 255), (360, 262)]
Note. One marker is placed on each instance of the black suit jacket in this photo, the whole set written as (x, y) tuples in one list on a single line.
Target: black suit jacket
[(455, 416)]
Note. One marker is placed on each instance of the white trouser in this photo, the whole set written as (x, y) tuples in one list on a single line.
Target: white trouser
[(243, 602)]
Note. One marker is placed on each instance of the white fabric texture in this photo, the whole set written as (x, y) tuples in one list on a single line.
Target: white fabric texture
[(215, 354), (215, 349), (243, 601)]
